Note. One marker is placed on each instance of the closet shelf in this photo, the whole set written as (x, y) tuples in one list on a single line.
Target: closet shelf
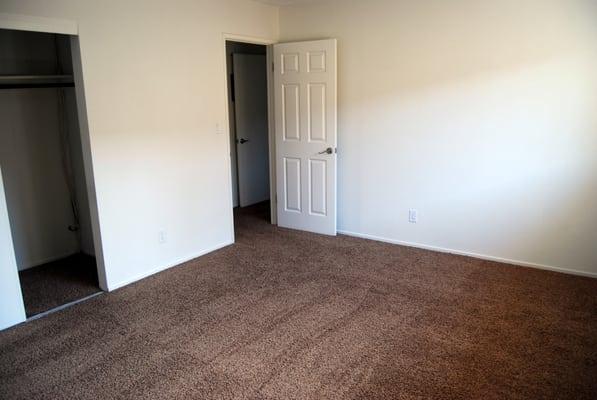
[(35, 81)]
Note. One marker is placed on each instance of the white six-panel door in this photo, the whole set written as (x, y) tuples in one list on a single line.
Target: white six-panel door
[(305, 121)]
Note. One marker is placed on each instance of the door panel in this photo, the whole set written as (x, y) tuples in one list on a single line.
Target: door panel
[(305, 117), (290, 112), (316, 112), (250, 106), (292, 192), (317, 181)]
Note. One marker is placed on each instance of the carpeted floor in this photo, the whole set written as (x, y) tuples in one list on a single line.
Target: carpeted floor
[(59, 282), (290, 315)]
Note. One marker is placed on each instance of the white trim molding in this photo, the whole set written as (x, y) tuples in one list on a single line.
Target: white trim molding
[(234, 37), (470, 254), (38, 24)]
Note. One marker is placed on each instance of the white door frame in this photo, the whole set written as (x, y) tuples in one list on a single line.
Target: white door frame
[(229, 37), (70, 27)]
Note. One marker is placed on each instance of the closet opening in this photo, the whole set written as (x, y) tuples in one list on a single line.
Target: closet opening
[(43, 165), (247, 77)]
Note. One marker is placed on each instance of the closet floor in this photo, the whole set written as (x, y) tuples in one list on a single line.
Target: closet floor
[(57, 283)]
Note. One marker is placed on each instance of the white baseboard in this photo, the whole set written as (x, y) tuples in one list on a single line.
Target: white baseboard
[(112, 287), (470, 254)]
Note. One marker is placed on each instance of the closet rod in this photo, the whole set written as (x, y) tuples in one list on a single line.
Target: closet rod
[(35, 85), (34, 77), (35, 81)]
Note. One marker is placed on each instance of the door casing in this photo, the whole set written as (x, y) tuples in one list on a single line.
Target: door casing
[(270, 116)]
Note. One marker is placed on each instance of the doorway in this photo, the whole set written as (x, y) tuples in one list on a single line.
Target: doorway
[(46, 187), (246, 67), (301, 94)]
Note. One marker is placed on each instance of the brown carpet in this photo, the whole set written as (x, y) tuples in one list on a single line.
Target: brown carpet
[(59, 282), (290, 315)]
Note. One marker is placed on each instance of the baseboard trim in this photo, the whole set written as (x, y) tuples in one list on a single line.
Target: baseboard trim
[(469, 254), (112, 287)]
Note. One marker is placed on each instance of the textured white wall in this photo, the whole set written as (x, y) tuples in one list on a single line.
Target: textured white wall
[(480, 114), (155, 89)]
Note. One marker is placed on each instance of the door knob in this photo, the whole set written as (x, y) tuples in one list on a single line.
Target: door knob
[(243, 140), (326, 151)]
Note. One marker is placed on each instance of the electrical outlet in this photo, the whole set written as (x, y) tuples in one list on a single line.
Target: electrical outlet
[(219, 129), (413, 216), (162, 237)]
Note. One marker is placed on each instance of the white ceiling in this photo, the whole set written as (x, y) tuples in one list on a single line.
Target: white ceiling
[(285, 2)]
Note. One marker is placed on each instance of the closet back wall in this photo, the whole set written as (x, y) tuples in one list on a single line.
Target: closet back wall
[(36, 194)]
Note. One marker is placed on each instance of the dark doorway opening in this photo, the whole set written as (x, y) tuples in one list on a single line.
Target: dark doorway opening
[(248, 120)]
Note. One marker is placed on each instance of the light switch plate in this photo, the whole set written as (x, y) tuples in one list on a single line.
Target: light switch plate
[(219, 129), (413, 216)]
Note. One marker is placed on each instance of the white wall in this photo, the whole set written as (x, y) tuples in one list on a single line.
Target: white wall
[(12, 310), (480, 114), (155, 89)]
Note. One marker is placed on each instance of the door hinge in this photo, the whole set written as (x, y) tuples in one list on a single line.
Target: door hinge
[(273, 66)]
